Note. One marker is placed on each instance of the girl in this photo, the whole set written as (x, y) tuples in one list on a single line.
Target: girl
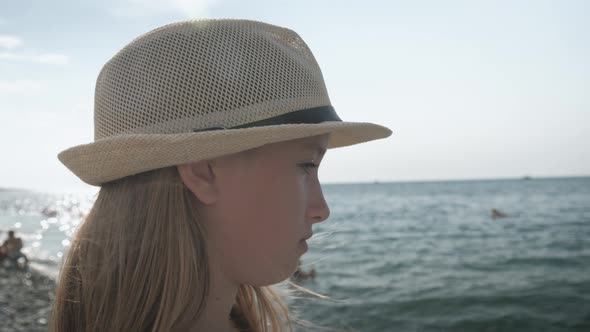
[(208, 137)]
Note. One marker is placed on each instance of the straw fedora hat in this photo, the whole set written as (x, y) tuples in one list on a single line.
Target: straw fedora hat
[(201, 89)]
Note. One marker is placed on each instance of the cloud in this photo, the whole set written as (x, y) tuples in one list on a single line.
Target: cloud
[(9, 41), (48, 58), (19, 86), (142, 8), (13, 42)]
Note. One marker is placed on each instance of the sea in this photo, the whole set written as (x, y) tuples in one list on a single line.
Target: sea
[(408, 256)]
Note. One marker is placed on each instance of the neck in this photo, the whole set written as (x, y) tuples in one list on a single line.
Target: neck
[(222, 295)]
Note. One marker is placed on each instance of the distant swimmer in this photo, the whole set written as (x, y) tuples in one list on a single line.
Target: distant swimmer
[(498, 214), (300, 275), (50, 213)]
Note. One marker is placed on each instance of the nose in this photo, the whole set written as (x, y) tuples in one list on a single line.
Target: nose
[(318, 210)]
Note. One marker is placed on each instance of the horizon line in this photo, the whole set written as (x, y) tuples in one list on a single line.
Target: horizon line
[(376, 181), (523, 177)]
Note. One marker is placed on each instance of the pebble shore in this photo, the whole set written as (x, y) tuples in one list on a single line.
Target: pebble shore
[(25, 300)]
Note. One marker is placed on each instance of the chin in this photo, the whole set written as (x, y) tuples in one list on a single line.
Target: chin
[(278, 274)]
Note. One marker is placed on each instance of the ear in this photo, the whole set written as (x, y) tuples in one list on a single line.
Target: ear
[(199, 178)]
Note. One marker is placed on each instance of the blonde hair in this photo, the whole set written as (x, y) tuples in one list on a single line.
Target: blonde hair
[(139, 263)]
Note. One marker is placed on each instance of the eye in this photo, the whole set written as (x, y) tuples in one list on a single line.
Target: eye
[(307, 166)]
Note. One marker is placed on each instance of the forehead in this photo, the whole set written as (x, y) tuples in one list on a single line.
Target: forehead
[(314, 144), (309, 146)]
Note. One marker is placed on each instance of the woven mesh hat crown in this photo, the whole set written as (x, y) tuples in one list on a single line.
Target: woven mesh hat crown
[(201, 89), (206, 73)]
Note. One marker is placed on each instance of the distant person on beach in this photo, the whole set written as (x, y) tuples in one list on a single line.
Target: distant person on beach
[(208, 135), (11, 248)]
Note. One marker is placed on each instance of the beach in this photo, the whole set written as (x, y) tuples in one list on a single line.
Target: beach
[(25, 300)]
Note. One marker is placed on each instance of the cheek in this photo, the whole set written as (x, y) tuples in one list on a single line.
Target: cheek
[(262, 229), (271, 214)]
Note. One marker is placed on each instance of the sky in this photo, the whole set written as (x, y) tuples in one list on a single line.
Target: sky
[(471, 89)]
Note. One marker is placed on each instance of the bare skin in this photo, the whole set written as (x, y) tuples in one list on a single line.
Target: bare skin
[(258, 208), (11, 244)]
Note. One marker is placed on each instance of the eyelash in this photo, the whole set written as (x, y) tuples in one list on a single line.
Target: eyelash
[(307, 166)]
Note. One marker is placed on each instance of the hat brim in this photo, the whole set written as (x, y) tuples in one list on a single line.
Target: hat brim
[(119, 156)]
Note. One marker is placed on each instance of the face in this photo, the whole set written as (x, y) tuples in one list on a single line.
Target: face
[(268, 199)]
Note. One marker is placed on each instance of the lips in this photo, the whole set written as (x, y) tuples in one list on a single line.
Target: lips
[(307, 237)]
